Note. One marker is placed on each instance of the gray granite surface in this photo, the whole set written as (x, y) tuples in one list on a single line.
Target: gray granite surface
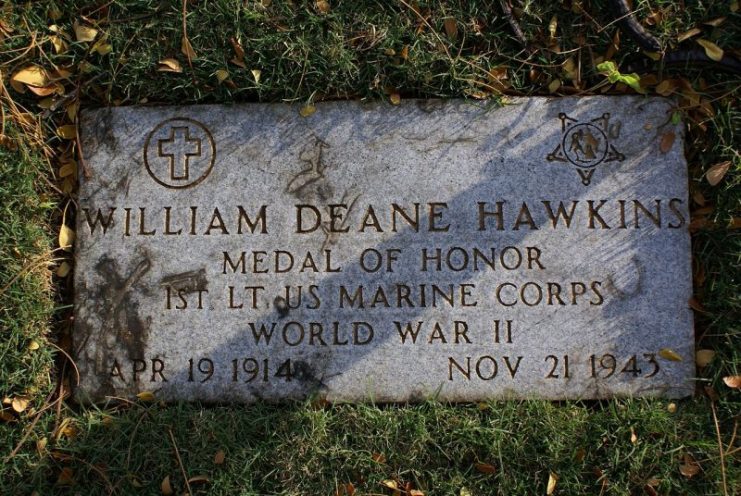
[(369, 252)]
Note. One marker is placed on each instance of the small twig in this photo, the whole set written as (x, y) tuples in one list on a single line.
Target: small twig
[(507, 10), (721, 449), (186, 40), (180, 462)]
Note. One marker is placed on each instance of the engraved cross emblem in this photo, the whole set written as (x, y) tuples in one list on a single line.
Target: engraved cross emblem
[(179, 147)]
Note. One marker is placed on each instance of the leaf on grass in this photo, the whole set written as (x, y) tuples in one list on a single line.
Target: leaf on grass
[(84, 33), (41, 445), (670, 354), (609, 69), (465, 491), (6, 416), (101, 47), (688, 34), (689, 468), (32, 75), (350, 489), (66, 237), (711, 49), (19, 404), (390, 483), (187, 49), (715, 174), (667, 140), (169, 65), (554, 85), (219, 457), (33, 345), (47, 90), (485, 468), (378, 457), (416, 492), (704, 357), (63, 269), (553, 26), (166, 487), (222, 75), (715, 22), (199, 479), (66, 477), (256, 73), (733, 381), (633, 436), (666, 87), (552, 480), (451, 27), (60, 46), (307, 110), (322, 6), (395, 98), (671, 407), (68, 131)]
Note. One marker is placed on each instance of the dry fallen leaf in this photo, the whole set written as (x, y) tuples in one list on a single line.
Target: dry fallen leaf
[(19, 403), (66, 237), (390, 483), (199, 479), (395, 98), (146, 396), (465, 491), (322, 6), (451, 27), (633, 436), (716, 173), (689, 468), (667, 140), (219, 457), (415, 492), (711, 49), (552, 479), (485, 468), (221, 75), (68, 131), (704, 357), (32, 75), (187, 49), (733, 381), (84, 33), (378, 457), (669, 354), (256, 73), (169, 65), (307, 110), (34, 345), (66, 477), (671, 407), (166, 487), (554, 85), (688, 34), (666, 87)]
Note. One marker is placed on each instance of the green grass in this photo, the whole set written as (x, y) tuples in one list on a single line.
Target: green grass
[(353, 51)]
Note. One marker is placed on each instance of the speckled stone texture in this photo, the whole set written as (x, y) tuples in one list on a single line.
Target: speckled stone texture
[(368, 252)]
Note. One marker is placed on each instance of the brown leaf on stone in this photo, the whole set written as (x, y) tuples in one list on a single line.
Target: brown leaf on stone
[(715, 174), (732, 381), (219, 457), (667, 140), (485, 468), (670, 354)]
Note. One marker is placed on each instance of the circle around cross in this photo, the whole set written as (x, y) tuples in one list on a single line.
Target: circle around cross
[(179, 153)]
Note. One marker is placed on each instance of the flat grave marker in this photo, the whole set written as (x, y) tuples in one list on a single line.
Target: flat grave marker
[(368, 252)]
